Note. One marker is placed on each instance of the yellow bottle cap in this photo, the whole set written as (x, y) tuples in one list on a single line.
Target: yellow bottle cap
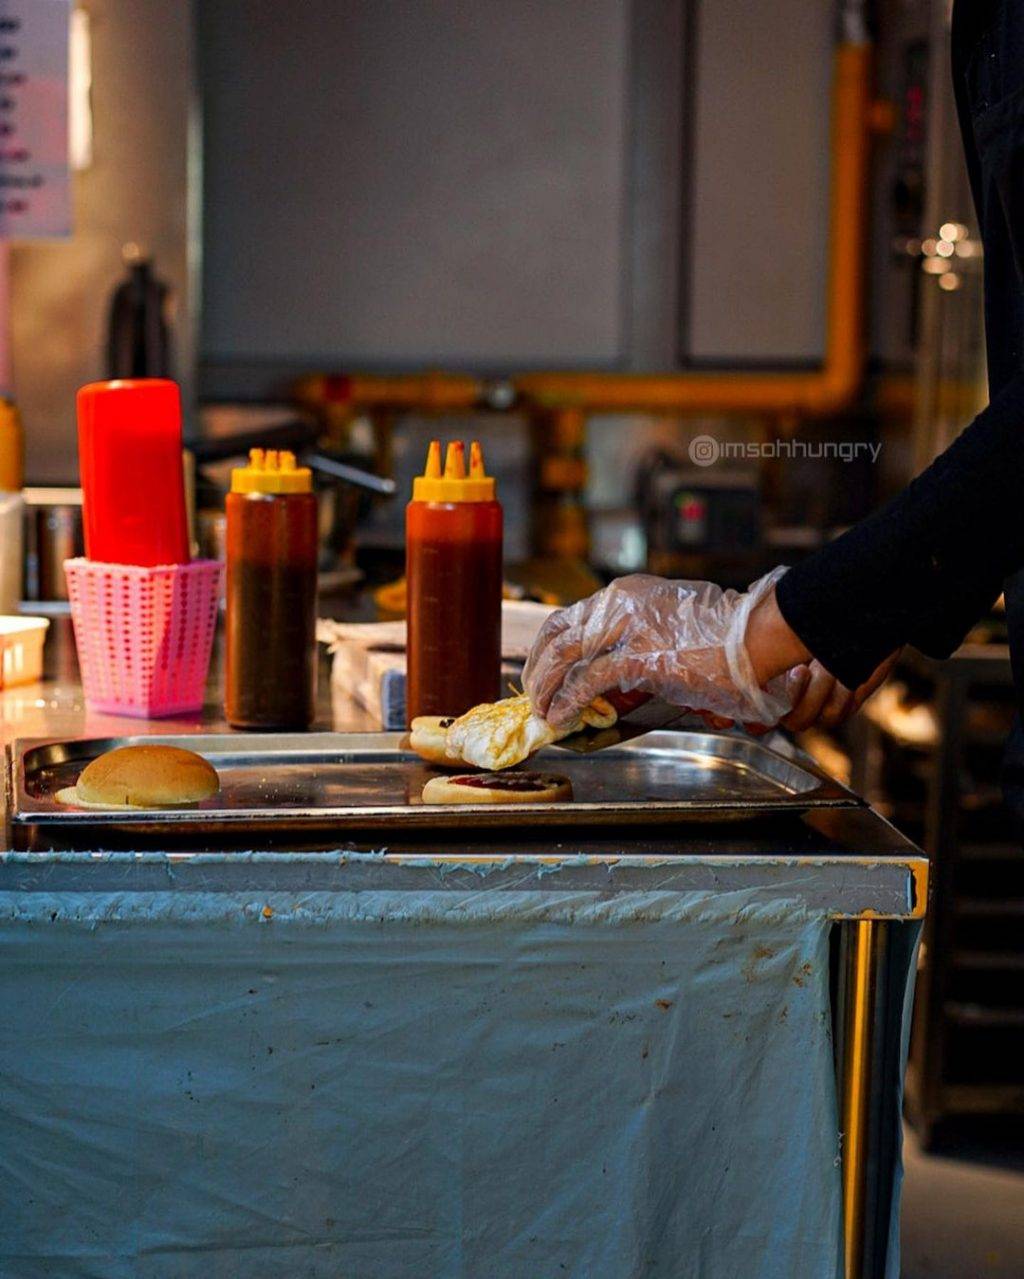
[(270, 471), (454, 485)]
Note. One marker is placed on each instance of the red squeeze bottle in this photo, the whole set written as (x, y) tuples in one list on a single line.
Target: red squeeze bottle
[(133, 483), (453, 530)]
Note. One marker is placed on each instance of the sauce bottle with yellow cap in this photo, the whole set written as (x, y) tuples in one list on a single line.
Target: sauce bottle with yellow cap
[(270, 676), (453, 531)]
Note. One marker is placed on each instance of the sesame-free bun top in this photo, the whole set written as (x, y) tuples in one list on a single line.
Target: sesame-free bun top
[(147, 777)]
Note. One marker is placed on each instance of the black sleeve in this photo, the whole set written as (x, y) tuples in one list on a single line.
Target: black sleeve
[(924, 568)]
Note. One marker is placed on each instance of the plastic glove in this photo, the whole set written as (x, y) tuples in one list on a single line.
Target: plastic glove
[(681, 641)]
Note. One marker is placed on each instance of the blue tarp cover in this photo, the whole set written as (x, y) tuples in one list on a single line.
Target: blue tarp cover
[(409, 1085)]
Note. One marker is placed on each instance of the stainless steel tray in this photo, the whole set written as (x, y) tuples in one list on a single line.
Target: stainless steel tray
[(335, 782)]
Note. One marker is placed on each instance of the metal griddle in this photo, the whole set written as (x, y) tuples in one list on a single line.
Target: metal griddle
[(329, 783)]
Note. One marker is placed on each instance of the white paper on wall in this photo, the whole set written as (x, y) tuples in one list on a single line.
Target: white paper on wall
[(35, 186)]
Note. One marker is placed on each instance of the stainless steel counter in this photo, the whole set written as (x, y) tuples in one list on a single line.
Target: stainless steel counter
[(848, 862), (56, 708)]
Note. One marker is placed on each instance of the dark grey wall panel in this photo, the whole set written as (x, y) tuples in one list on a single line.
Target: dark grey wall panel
[(415, 180), (659, 130), (758, 183)]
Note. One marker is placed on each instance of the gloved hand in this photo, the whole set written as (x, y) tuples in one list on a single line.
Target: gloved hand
[(681, 641), (819, 698)]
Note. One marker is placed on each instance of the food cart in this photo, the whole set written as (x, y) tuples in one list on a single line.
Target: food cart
[(308, 1040)]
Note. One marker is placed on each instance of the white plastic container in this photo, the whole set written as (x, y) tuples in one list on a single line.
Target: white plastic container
[(21, 650)]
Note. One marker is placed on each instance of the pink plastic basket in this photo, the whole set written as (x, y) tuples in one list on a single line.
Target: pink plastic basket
[(144, 635)]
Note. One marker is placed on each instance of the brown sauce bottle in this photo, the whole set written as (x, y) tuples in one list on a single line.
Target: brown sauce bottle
[(270, 658), (453, 550)]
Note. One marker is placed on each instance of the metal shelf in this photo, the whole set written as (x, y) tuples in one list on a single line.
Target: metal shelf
[(990, 906), (989, 960), (963, 1014), (969, 1015), (996, 851)]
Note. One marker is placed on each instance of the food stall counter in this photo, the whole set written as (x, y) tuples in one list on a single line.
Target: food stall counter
[(456, 1052)]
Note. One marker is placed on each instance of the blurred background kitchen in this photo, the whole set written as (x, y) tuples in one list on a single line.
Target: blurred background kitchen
[(704, 279)]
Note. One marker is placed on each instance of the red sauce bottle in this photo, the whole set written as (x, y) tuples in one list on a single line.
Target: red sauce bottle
[(453, 529), (270, 640), (133, 484)]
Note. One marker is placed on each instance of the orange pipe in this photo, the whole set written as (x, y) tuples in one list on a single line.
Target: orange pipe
[(826, 390), (431, 391)]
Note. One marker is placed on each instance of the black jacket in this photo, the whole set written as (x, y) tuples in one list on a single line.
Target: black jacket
[(924, 568)]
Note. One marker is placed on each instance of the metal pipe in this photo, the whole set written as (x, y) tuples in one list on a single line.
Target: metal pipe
[(853, 22), (325, 464), (430, 392), (859, 998)]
